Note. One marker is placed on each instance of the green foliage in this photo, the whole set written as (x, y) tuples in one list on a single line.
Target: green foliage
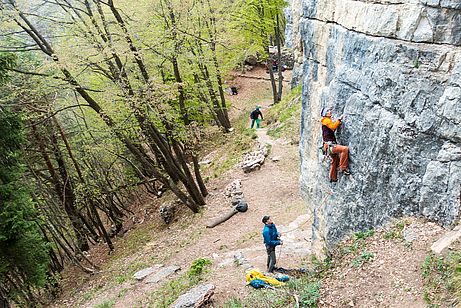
[(442, 277), (364, 257), (89, 295), (309, 294), (307, 290), (22, 248), (7, 61), (250, 132), (106, 304), (352, 248), (396, 231), (168, 293), (286, 116), (121, 279), (256, 21), (231, 147), (233, 303), (198, 267), (391, 234), (319, 267), (364, 235)]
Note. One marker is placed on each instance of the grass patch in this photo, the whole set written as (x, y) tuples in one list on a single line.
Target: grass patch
[(356, 244), (365, 234), (137, 266), (122, 293), (306, 289), (442, 279), (89, 295), (286, 116), (364, 257), (249, 237), (396, 231), (106, 304), (168, 293), (132, 242), (121, 279), (228, 148)]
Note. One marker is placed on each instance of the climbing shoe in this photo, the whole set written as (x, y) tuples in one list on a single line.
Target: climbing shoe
[(346, 172), (333, 181)]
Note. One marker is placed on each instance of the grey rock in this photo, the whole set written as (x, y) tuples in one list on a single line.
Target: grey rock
[(140, 275), (196, 297), (239, 258), (255, 159), (409, 236), (161, 274), (233, 188), (167, 211), (402, 105), (251, 60), (446, 240)]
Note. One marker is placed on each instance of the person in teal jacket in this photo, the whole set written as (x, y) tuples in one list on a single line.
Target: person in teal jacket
[(271, 240)]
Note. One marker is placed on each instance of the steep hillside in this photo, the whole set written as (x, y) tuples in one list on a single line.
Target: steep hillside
[(272, 190)]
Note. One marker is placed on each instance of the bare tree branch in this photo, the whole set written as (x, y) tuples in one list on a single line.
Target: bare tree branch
[(55, 113)]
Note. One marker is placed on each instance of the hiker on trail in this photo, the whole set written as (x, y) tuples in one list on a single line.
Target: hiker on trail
[(254, 116), (271, 240), (339, 153), (275, 65)]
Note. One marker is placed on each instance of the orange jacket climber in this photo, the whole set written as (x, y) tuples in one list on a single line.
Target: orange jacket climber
[(339, 153)]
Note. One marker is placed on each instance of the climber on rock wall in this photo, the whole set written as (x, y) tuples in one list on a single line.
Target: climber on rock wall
[(339, 153)]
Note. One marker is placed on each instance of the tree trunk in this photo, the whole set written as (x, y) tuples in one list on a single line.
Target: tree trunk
[(198, 176), (68, 197), (271, 75), (211, 27), (4, 303), (63, 191), (279, 59)]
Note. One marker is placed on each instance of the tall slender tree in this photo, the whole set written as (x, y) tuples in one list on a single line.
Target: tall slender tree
[(23, 251), (261, 23)]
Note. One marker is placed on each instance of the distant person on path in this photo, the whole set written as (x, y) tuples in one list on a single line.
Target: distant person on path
[(275, 65), (271, 240), (254, 116), (338, 153)]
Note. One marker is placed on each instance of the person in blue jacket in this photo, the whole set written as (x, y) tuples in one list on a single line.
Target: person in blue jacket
[(271, 240)]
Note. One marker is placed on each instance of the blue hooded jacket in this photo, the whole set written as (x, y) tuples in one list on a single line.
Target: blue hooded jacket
[(270, 235)]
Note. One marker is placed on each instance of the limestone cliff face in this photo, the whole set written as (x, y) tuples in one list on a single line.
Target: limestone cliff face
[(393, 68)]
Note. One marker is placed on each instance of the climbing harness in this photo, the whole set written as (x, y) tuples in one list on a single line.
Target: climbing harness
[(326, 150), (329, 145)]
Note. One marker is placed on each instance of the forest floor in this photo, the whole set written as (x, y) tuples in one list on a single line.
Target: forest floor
[(377, 271)]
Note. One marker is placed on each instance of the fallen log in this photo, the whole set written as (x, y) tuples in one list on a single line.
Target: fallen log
[(242, 207), (223, 218)]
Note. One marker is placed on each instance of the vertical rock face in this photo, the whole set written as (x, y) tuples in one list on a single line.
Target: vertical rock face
[(393, 68)]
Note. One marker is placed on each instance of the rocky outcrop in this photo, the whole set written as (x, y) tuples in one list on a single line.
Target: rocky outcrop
[(196, 297), (393, 68)]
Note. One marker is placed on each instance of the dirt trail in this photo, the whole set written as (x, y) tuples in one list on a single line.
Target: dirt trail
[(272, 190)]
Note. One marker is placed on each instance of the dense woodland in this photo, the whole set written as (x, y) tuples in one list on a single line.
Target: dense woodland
[(103, 99)]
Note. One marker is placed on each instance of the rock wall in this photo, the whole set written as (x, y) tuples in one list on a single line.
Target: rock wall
[(393, 68)]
